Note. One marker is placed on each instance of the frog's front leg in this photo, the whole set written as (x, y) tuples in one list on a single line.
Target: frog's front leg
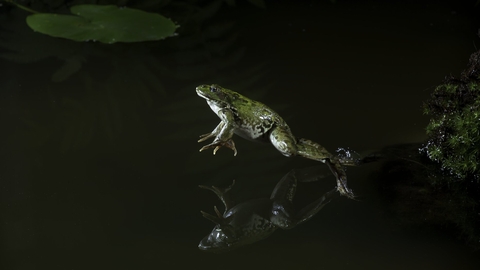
[(223, 134), (223, 194)]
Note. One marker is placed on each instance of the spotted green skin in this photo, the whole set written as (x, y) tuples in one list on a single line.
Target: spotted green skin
[(255, 121)]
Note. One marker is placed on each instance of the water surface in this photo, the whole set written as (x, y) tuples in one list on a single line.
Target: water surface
[(101, 168)]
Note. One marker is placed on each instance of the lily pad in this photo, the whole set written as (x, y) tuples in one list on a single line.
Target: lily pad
[(106, 24)]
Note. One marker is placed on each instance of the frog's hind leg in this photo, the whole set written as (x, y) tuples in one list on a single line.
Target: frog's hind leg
[(310, 210), (284, 141), (288, 145), (285, 188), (315, 151), (339, 173), (312, 150)]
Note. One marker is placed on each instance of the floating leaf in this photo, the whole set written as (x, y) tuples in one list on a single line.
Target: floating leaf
[(106, 24)]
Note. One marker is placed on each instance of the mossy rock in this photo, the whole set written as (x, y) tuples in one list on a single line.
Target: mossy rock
[(454, 128)]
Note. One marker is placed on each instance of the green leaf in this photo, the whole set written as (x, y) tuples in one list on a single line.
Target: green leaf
[(106, 24)]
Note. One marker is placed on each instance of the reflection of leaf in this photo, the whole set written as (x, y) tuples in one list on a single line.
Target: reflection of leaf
[(218, 30), (107, 24), (230, 59), (230, 2), (101, 113), (70, 67), (147, 76), (258, 3), (20, 44), (80, 128), (208, 11), (221, 47)]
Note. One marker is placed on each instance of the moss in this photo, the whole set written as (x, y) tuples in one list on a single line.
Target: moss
[(453, 143), (453, 131)]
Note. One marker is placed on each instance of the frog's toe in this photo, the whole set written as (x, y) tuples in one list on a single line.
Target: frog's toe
[(344, 190), (205, 137), (205, 147), (230, 144), (218, 147)]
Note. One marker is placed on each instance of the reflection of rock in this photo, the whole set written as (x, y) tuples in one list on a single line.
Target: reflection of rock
[(416, 192), (444, 192)]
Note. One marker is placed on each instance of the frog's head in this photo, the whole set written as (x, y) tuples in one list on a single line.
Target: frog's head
[(217, 95), (221, 239), (223, 236)]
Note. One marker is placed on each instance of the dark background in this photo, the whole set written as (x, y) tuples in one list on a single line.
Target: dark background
[(99, 162)]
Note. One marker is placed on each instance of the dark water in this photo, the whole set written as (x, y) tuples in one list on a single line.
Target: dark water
[(100, 165)]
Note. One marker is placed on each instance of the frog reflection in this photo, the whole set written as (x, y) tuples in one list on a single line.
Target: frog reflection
[(255, 121), (254, 220)]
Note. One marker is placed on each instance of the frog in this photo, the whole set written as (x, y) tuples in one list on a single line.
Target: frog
[(254, 220), (255, 121)]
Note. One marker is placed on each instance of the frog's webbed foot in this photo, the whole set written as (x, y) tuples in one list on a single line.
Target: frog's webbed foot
[(223, 137), (341, 177), (348, 157), (218, 144), (344, 190)]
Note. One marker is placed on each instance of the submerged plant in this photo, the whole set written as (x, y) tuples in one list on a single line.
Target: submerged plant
[(454, 126)]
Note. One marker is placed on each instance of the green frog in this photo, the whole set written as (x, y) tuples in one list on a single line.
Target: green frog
[(255, 121)]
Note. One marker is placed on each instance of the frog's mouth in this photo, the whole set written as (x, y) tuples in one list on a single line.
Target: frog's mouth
[(213, 246), (200, 94)]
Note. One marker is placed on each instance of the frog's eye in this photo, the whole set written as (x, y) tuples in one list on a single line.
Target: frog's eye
[(213, 89)]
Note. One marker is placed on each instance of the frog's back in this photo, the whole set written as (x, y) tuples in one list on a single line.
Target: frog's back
[(254, 118), (256, 123), (251, 220)]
